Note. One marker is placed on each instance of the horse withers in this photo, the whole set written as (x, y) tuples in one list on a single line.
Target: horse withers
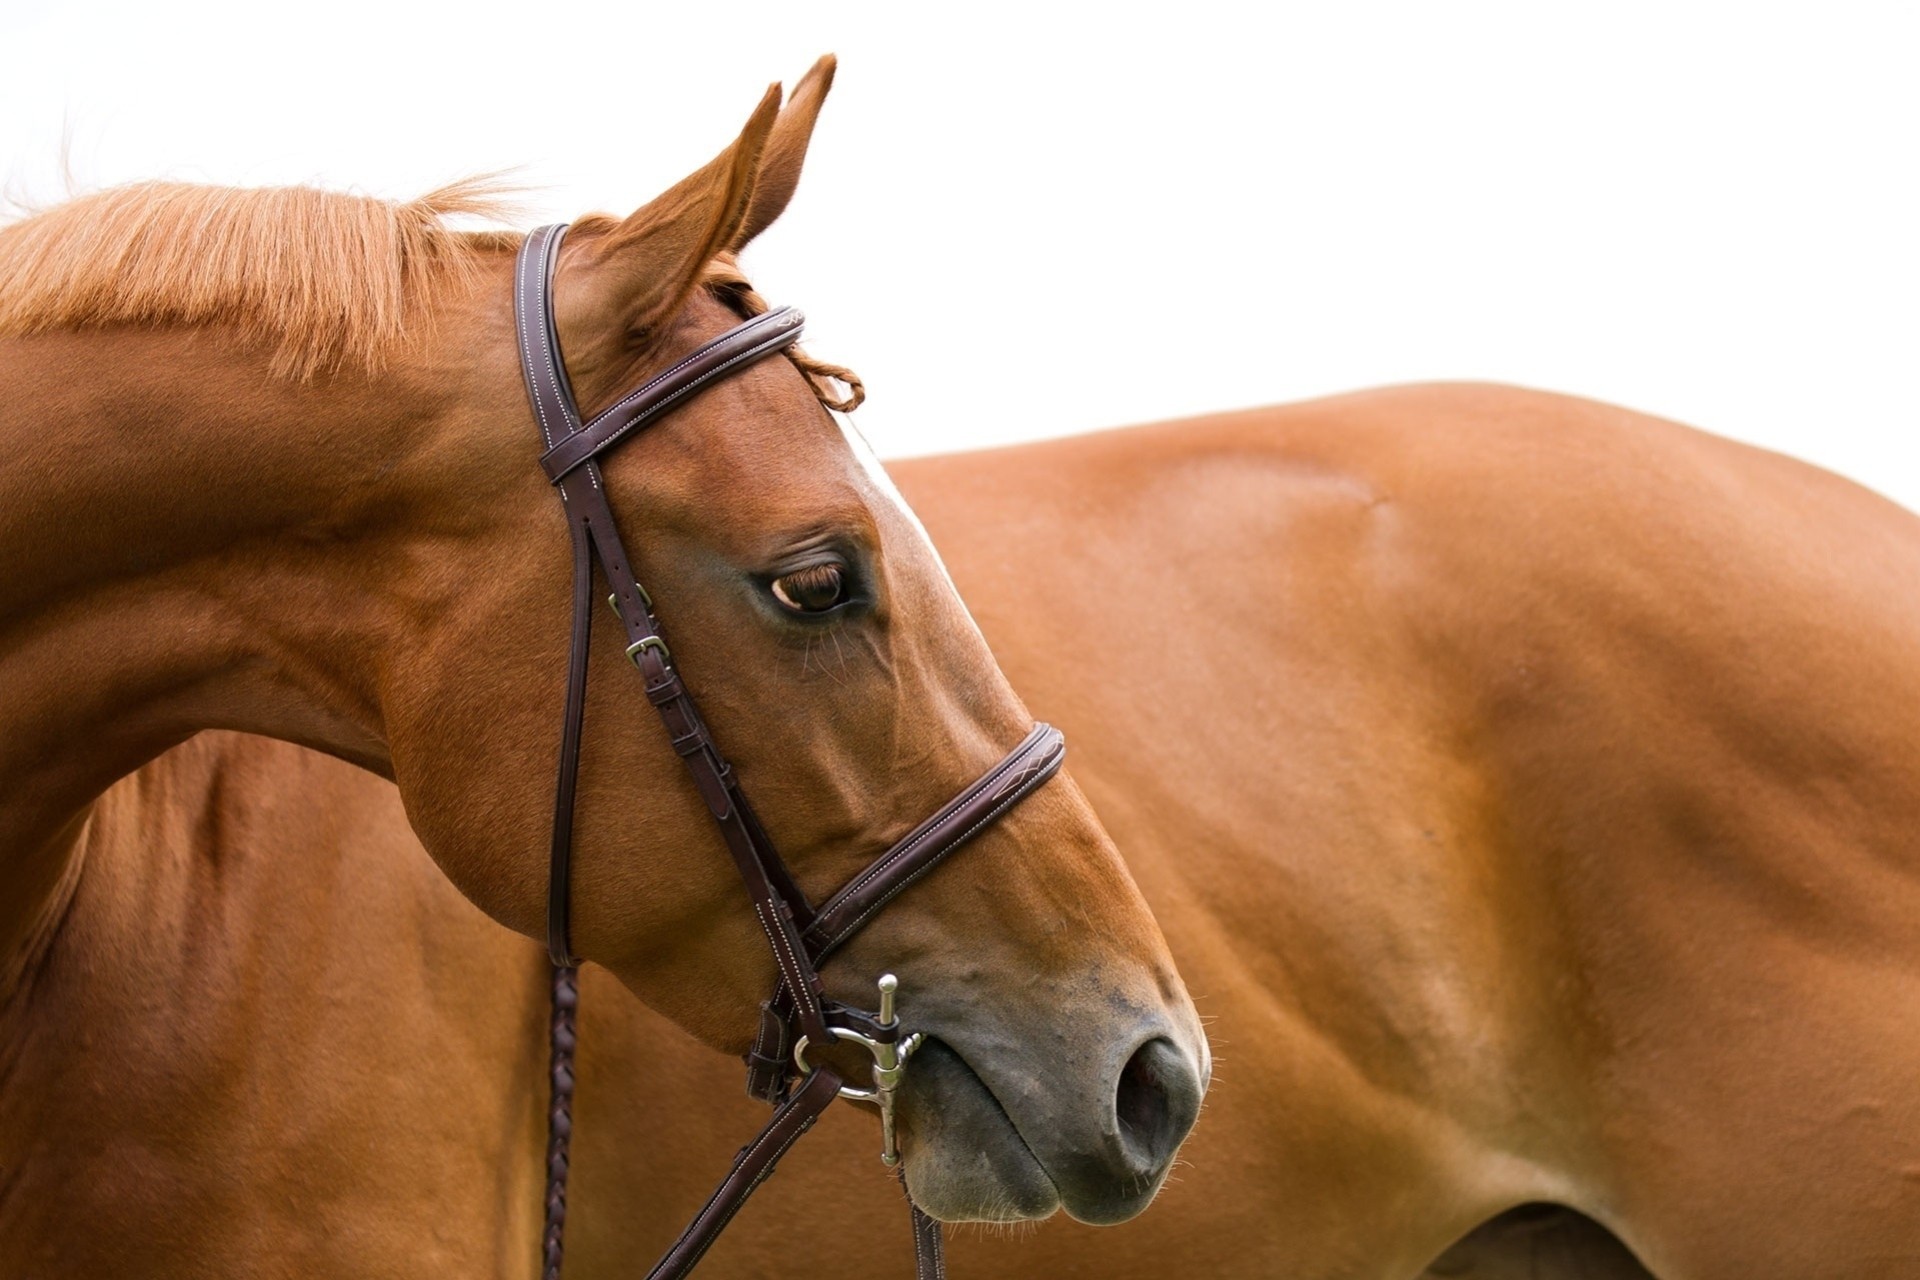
[(270, 466)]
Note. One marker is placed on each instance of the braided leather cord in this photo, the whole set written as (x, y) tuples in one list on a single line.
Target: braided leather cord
[(560, 1045)]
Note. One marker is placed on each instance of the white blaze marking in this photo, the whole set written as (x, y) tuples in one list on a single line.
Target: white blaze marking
[(870, 463)]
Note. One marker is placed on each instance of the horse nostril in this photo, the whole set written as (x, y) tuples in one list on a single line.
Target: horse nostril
[(1156, 1102)]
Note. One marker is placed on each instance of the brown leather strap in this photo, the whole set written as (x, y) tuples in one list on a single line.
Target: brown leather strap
[(1024, 770), (596, 536), (714, 779), (552, 397), (762, 336), (567, 776), (929, 1258), (752, 1166)]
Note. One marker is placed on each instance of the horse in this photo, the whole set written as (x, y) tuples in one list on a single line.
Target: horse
[(270, 467), (1547, 889), (1523, 787)]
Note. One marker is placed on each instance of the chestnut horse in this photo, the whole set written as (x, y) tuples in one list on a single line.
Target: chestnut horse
[(270, 466), (1529, 811)]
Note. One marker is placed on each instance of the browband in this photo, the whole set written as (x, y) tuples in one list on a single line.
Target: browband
[(758, 338)]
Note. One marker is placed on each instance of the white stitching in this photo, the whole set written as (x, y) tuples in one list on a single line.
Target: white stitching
[(707, 1210), (760, 1036), (927, 833), (641, 391), (932, 828), (782, 947), (990, 816), (681, 393), (526, 350), (650, 412), (546, 347), (926, 1227)]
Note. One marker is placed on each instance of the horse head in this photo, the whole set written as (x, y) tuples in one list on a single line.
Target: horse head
[(1062, 1061)]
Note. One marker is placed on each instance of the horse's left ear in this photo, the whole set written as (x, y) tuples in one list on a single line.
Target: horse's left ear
[(639, 273), (786, 152)]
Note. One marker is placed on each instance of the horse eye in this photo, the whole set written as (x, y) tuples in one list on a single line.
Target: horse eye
[(815, 589)]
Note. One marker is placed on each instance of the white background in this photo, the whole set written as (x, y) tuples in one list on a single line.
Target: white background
[(1021, 220)]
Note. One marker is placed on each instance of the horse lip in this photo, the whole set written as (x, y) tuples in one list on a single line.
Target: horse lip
[(1001, 1109), (999, 1112)]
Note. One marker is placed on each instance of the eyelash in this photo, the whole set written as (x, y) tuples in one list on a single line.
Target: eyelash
[(828, 583)]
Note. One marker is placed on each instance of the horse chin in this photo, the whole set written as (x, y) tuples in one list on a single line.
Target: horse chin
[(964, 1160)]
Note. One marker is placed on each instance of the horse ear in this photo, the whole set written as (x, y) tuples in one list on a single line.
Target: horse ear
[(786, 152), (642, 271)]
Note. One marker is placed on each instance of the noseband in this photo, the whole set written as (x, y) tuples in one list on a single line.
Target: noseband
[(798, 1016)]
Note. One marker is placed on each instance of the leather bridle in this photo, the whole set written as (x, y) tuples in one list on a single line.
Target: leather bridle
[(801, 935)]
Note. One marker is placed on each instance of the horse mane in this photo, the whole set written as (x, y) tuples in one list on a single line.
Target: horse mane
[(327, 276)]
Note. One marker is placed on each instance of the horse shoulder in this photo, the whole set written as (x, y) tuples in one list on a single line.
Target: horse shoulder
[(261, 972)]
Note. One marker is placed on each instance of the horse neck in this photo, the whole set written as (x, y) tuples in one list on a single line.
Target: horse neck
[(190, 543)]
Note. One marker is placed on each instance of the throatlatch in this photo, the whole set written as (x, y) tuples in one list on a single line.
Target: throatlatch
[(798, 1018)]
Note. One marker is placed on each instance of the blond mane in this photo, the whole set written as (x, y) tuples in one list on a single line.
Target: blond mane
[(325, 276)]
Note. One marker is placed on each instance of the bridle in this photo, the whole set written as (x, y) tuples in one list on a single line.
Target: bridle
[(802, 936)]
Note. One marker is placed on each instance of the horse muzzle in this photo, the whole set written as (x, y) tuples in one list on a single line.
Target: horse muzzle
[(999, 1132)]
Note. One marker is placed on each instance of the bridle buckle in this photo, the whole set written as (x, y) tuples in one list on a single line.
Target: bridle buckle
[(645, 643), (889, 1065)]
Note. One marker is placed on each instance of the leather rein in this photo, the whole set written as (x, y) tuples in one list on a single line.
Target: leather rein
[(800, 934)]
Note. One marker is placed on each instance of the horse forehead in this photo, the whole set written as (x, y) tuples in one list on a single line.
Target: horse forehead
[(889, 495), (876, 475), (770, 384)]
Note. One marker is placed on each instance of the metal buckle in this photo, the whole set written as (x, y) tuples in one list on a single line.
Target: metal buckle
[(889, 1065), (646, 601), (644, 643)]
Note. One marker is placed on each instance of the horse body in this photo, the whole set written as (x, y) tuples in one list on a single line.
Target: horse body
[(1522, 785), (1566, 743), (1527, 788)]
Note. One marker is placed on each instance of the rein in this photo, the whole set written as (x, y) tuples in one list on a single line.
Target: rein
[(802, 936)]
